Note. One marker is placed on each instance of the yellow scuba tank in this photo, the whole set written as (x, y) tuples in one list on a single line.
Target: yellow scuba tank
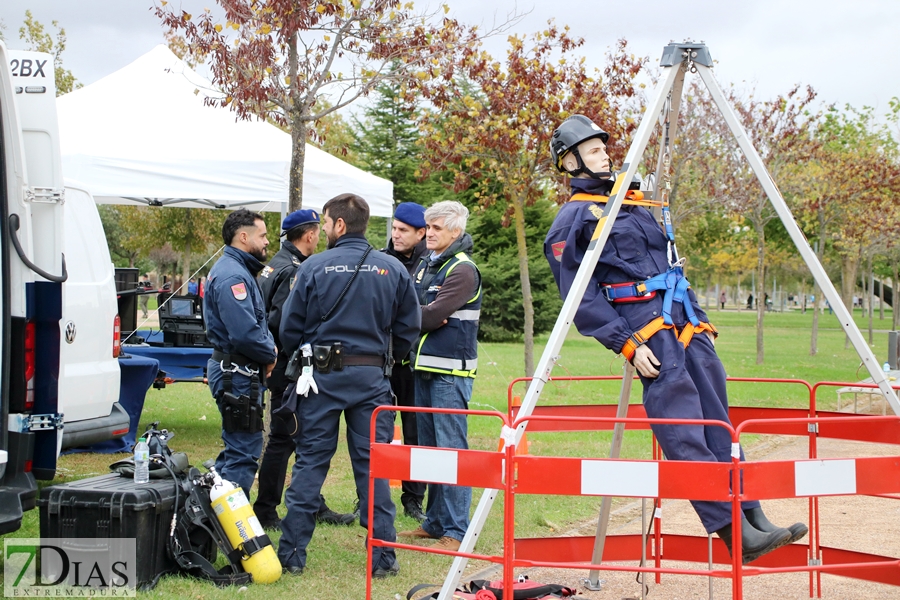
[(240, 524)]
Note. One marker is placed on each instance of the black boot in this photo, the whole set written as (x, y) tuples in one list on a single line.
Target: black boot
[(326, 515), (413, 508), (758, 519), (755, 543)]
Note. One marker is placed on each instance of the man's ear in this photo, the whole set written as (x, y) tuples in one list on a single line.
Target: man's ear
[(420, 233), (570, 163)]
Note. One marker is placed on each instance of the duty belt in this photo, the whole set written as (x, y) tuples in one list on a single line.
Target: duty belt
[(239, 360), (363, 360)]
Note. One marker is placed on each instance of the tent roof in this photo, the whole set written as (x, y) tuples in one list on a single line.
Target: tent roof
[(143, 135)]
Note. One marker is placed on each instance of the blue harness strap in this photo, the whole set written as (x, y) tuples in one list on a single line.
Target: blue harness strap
[(673, 285)]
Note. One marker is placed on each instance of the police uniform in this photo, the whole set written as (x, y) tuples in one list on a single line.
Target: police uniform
[(403, 384), (691, 381), (236, 326), (275, 282), (379, 310)]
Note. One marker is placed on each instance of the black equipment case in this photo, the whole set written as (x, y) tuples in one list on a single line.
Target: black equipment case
[(113, 506)]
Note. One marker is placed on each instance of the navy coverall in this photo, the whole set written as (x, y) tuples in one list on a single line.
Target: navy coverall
[(380, 306), (691, 383), (236, 323)]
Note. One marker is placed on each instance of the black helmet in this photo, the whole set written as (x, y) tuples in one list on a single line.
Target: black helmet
[(569, 134)]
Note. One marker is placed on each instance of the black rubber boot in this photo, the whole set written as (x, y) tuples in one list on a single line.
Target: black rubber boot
[(755, 543), (758, 519)]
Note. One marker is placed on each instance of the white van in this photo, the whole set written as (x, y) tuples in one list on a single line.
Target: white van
[(89, 378), (42, 375)]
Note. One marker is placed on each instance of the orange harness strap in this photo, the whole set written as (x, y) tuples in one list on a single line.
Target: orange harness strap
[(690, 331), (656, 325), (639, 337), (635, 197)]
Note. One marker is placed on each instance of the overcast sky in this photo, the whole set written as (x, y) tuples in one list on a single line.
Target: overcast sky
[(848, 51)]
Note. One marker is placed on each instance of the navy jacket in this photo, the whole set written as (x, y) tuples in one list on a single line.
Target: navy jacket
[(233, 308), (635, 251), (275, 283), (380, 304)]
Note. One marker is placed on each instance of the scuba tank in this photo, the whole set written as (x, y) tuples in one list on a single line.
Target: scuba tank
[(243, 529)]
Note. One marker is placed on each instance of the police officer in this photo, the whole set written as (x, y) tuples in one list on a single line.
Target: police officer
[(624, 310), (301, 232), (355, 309), (407, 244), (244, 349)]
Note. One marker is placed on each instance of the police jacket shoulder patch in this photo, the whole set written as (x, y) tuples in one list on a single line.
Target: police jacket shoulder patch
[(239, 290)]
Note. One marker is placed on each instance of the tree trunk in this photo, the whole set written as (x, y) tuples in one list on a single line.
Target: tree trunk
[(870, 293), (299, 134), (817, 291), (186, 265), (895, 281), (881, 300), (849, 269), (527, 300), (761, 286)]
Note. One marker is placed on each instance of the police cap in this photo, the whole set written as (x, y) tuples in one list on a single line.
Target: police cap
[(297, 218)]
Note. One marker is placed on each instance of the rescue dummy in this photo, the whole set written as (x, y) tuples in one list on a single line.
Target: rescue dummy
[(639, 304)]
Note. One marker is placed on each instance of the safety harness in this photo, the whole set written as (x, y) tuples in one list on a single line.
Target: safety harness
[(672, 284)]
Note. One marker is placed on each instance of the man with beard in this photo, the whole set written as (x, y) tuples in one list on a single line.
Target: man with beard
[(407, 244), (301, 233), (244, 350), (348, 331)]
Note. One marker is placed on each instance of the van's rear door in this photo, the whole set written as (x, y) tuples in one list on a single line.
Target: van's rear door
[(36, 306)]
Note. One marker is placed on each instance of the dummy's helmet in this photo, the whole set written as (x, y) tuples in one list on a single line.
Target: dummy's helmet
[(569, 134)]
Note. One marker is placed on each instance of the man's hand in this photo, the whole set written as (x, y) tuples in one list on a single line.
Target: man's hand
[(711, 337), (271, 366), (645, 362)]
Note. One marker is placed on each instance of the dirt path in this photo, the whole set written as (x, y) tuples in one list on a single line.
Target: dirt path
[(861, 523)]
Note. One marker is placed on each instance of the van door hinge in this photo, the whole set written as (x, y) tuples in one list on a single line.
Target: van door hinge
[(45, 195), (24, 423)]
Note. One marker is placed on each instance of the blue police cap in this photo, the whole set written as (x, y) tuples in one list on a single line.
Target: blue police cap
[(411, 213), (299, 217)]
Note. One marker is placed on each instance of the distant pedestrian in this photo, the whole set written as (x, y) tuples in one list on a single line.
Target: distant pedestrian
[(144, 287), (722, 300), (750, 302)]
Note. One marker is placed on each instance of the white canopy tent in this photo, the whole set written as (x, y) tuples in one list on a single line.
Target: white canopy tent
[(142, 135)]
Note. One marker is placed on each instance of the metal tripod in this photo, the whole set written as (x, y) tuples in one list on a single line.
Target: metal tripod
[(677, 60)]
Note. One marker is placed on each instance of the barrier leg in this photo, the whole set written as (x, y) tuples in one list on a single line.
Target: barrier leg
[(593, 581)]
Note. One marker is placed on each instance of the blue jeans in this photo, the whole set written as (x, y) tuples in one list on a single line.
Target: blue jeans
[(447, 513)]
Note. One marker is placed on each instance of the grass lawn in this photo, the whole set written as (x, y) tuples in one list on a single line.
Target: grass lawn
[(336, 563)]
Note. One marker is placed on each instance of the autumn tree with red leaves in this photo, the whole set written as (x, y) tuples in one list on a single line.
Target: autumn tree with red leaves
[(779, 130), (493, 122), (278, 59)]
